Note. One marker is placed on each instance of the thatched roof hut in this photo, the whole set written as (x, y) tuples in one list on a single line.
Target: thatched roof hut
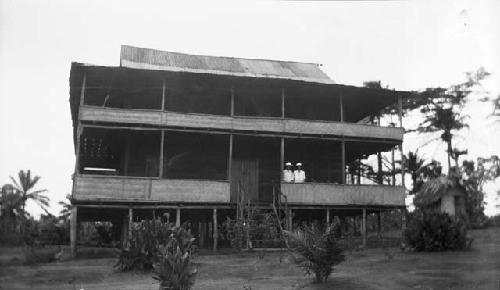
[(444, 194)]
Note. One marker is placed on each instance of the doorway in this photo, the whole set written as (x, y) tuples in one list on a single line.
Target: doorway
[(255, 167)]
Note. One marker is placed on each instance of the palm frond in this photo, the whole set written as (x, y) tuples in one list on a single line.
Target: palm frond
[(16, 184)]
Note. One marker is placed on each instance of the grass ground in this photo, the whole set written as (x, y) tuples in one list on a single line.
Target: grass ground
[(368, 269)]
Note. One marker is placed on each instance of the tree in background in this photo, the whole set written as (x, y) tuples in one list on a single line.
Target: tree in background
[(420, 170), (25, 188), (496, 107), (472, 179), (442, 111), (65, 212), (384, 168)]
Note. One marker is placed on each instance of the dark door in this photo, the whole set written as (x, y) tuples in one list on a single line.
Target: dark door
[(245, 180)]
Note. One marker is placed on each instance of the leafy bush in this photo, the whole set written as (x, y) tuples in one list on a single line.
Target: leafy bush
[(260, 228), (36, 255), (143, 244), (266, 231), (434, 231), (235, 232), (319, 250), (174, 268), (99, 234)]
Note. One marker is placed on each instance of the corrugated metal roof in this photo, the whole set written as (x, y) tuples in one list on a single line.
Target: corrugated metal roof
[(151, 59)]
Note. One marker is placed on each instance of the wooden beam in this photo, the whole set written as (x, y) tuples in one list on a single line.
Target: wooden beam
[(215, 233), (79, 128), (403, 166), (79, 132), (342, 163), (163, 94), (178, 217), (359, 171), (327, 216), (230, 157), (393, 164), (363, 227), (341, 105), (403, 222), (232, 102), (73, 232), (282, 158), (126, 158), (160, 171), (290, 219), (82, 91), (379, 224), (130, 222), (154, 206), (400, 111), (282, 103)]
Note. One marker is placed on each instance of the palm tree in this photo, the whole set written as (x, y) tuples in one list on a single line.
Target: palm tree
[(445, 120), (443, 111), (65, 212), (420, 169), (24, 186)]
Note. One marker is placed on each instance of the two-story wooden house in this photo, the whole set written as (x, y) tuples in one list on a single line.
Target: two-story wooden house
[(187, 134)]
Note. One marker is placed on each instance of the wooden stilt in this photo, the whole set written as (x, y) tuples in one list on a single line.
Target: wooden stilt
[(379, 224), (363, 227), (130, 222), (328, 216), (342, 163), (178, 217), (73, 230), (393, 165), (290, 220), (215, 229), (124, 231), (403, 221)]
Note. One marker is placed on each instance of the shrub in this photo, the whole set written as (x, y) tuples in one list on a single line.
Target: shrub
[(319, 250), (235, 233), (259, 228), (98, 234), (36, 255), (174, 268), (434, 231), (143, 244), (147, 237)]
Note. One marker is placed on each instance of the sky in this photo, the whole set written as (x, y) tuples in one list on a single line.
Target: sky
[(408, 45)]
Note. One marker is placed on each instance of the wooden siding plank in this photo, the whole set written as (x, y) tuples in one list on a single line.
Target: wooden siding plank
[(197, 121), (280, 126), (146, 189), (120, 115), (335, 194)]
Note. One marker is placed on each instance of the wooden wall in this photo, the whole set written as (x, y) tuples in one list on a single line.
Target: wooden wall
[(109, 188), (271, 125), (336, 194)]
